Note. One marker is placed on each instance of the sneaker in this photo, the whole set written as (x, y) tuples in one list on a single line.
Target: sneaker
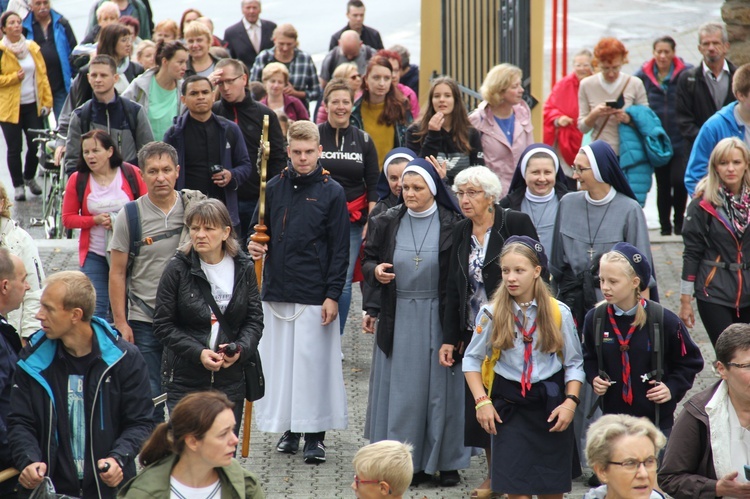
[(33, 186), (20, 193), (449, 478), (315, 452), (288, 443)]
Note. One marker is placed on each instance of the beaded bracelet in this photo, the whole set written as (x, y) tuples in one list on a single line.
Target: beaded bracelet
[(483, 397), (482, 404)]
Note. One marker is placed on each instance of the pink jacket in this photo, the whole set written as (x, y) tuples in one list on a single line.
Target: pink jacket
[(499, 155)]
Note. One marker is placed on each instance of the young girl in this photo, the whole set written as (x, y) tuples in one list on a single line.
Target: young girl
[(622, 368), (535, 382), (536, 188)]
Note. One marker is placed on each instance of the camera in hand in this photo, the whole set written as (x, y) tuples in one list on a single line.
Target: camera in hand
[(216, 169), (229, 350)]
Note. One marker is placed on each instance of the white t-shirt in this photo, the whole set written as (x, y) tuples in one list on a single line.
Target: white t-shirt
[(221, 277), (28, 84), (181, 491), (101, 199)]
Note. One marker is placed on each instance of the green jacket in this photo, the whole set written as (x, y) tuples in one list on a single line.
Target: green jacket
[(153, 482)]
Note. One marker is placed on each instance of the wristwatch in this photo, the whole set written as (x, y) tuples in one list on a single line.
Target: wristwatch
[(119, 462), (573, 398)]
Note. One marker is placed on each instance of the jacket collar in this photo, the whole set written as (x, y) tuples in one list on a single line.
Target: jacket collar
[(246, 102)]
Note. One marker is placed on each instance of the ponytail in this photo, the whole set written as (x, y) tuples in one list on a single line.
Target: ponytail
[(158, 446)]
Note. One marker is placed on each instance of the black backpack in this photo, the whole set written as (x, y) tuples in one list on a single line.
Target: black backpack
[(655, 313)]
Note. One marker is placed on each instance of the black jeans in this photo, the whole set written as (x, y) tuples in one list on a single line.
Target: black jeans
[(716, 318), (13, 132), (670, 190)]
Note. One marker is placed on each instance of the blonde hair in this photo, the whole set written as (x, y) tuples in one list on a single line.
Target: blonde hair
[(504, 327), (79, 291), (498, 80), (387, 461), (275, 68), (602, 434), (709, 186), (303, 130), (5, 200), (196, 29), (344, 70), (617, 258), (286, 30)]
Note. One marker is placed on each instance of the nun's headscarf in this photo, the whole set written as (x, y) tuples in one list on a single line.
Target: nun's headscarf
[(438, 189), (519, 175), (606, 167), (383, 189)]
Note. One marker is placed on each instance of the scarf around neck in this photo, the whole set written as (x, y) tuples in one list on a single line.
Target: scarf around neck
[(20, 48), (737, 208)]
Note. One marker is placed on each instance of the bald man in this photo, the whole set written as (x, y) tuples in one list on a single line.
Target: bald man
[(349, 50)]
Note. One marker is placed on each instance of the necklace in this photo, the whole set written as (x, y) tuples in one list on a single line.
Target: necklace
[(541, 217), (526, 304), (417, 259), (592, 239)]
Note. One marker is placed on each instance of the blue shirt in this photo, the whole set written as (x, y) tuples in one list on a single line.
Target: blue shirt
[(510, 363)]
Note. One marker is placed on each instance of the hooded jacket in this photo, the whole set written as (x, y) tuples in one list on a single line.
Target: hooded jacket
[(139, 88), (62, 42), (234, 157), (118, 408), (308, 224), (721, 125), (153, 482), (182, 323)]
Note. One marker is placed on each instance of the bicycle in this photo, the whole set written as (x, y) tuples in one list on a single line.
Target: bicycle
[(53, 186)]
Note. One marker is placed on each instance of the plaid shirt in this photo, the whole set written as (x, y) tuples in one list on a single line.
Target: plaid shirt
[(302, 73)]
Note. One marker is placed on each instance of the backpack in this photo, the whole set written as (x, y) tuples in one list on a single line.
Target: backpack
[(127, 169), (131, 115), (655, 320), (488, 365)]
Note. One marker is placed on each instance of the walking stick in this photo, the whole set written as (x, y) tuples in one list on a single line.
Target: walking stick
[(259, 237)]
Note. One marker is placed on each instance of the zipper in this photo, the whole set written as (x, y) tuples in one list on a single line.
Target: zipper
[(283, 224), (49, 438), (738, 244), (91, 423)]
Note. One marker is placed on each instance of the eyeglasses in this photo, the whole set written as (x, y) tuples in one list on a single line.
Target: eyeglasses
[(358, 481), (470, 194), (355, 77), (224, 83), (738, 366), (579, 170), (650, 463)]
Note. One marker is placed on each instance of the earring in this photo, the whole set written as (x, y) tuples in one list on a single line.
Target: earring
[(490, 209)]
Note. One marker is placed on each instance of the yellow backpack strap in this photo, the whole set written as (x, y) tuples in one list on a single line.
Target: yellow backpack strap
[(557, 315)]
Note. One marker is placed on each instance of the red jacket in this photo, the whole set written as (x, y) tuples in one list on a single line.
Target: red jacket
[(563, 101), (77, 216)]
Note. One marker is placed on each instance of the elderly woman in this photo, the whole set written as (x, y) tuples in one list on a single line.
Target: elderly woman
[(275, 80), (303, 80), (348, 72), (198, 40), (207, 299), (604, 96), (193, 454), (714, 238), (623, 452), (536, 189), (589, 222), (561, 113), (504, 120), (27, 98), (412, 241), (167, 30), (474, 274), (145, 54), (106, 13)]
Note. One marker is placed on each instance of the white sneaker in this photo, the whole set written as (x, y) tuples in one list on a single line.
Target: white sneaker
[(20, 194)]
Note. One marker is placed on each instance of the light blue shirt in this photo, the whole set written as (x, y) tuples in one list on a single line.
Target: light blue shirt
[(510, 363)]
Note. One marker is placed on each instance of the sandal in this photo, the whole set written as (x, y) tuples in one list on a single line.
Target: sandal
[(481, 493)]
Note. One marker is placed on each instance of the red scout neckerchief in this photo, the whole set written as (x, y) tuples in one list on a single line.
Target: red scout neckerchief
[(527, 365), (627, 389)]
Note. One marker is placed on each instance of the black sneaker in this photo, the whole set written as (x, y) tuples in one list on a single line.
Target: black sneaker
[(315, 452), (288, 443)]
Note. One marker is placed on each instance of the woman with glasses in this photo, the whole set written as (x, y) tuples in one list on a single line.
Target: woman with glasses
[(561, 114), (413, 398), (473, 276), (589, 222), (716, 246), (604, 96), (444, 131), (536, 189), (623, 451), (348, 72), (659, 76), (504, 121), (158, 90), (382, 111), (618, 355), (275, 80)]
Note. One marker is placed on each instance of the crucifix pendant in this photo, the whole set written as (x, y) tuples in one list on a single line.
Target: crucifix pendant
[(416, 261), (591, 253)]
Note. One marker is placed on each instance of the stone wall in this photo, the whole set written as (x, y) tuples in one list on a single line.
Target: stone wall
[(736, 15)]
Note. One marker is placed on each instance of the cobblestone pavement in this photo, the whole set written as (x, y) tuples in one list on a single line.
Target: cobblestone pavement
[(288, 476)]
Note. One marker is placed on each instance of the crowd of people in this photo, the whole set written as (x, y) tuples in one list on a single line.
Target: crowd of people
[(524, 266)]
